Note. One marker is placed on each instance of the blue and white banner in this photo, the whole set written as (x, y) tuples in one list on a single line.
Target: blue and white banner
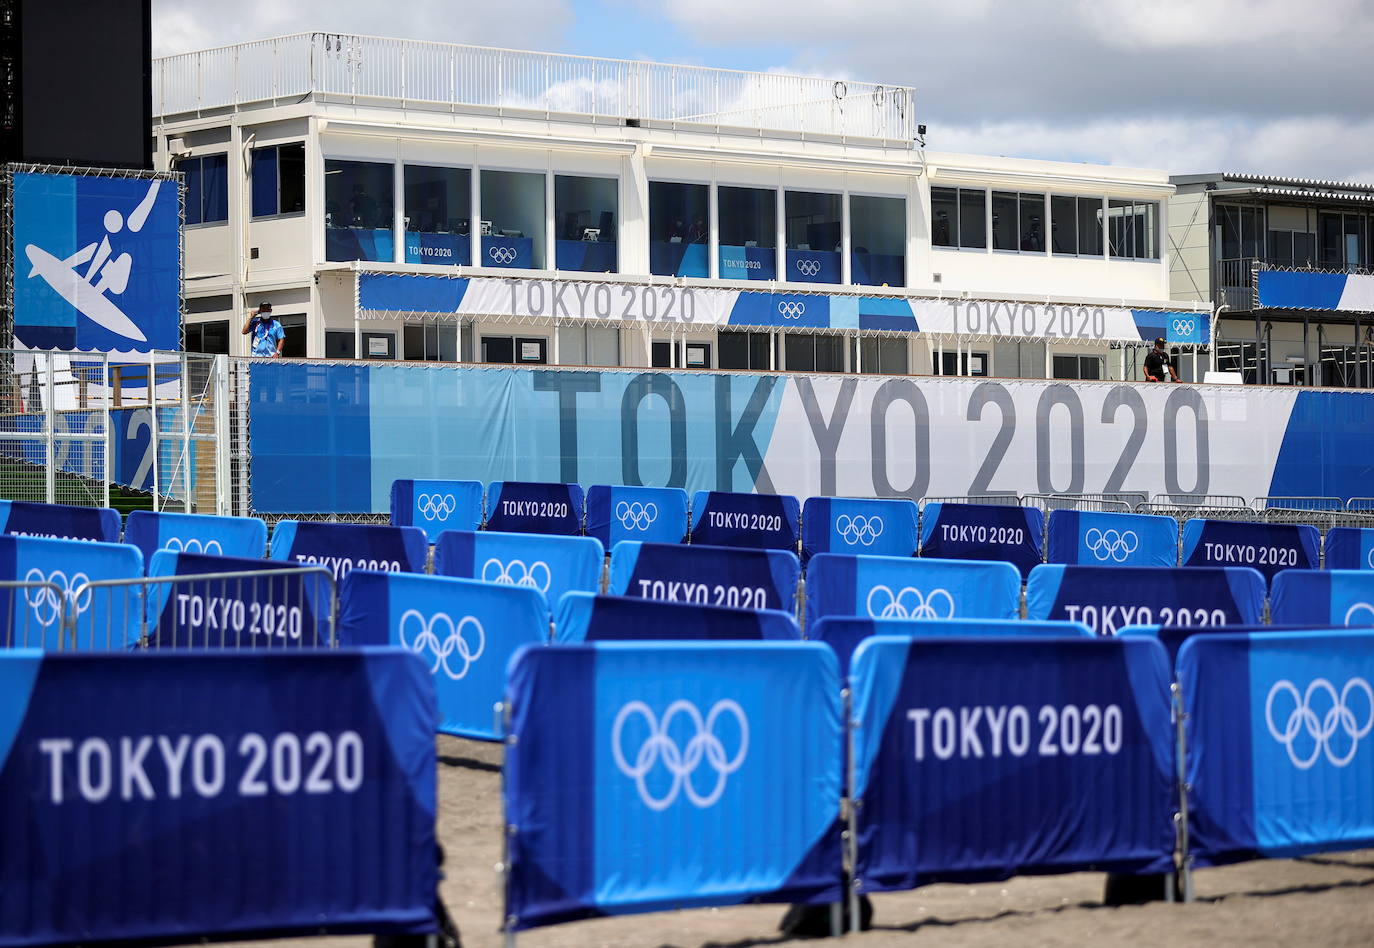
[(645, 776), (844, 633), (1084, 538), (707, 575), (979, 759), (243, 537), (984, 532), (529, 507), (1350, 548), (1287, 289), (106, 618), (1109, 598), (864, 527), (761, 521), (900, 587), (1267, 547), (551, 565), (246, 793), (436, 506), (22, 518), (650, 514), (465, 632), (1340, 597), (343, 547), (1278, 756), (97, 263), (586, 617)]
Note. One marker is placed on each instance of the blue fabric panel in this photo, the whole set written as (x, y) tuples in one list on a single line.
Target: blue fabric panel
[(1085, 538), (851, 525), (244, 537), (1267, 547), (651, 514), (551, 565), (585, 617), (613, 812), (1341, 597), (1172, 637), (1285, 289), (706, 575), (1350, 548), (984, 532), (507, 252), (107, 618), (343, 547), (410, 293), (436, 506), (453, 250), (844, 633), (465, 631), (1326, 450), (59, 521), (180, 792), (588, 256), (980, 760), (528, 507), (899, 587), (1109, 598), (764, 521)]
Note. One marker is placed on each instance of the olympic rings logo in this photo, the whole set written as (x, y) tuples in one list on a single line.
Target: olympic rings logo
[(1115, 545), (704, 746), (436, 506), (1304, 719), (1352, 615), (501, 256), (1370, 559), (859, 529), (636, 516), (791, 309), (808, 267), (46, 606), (1183, 327), (425, 638), (208, 547), (910, 603), (515, 573)]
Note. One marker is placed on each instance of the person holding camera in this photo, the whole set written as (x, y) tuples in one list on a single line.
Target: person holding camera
[(268, 335), (1157, 362)]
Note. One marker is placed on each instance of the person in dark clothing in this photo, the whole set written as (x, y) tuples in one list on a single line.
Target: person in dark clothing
[(1158, 366)]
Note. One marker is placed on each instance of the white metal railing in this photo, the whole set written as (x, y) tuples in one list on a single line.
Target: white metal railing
[(415, 72)]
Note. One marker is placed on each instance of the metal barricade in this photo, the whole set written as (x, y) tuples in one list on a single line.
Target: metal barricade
[(1101, 503), (1183, 513), (1005, 500), (1320, 512), (1202, 500), (40, 616)]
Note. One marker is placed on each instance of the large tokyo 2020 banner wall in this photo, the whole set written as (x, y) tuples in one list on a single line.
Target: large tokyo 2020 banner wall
[(332, 438)]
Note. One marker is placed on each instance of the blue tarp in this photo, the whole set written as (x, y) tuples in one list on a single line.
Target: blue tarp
[(1267, 547), (528, 507), (898, 587), (762, 521), (435, 506), (1085, 538), (1108, 598), (59, 521), (984, 532), (344, 547), (708, 575), (105, 619), (244, 537), (1350, 548), (552, 565), (584, 617), (1341, 597), (859, 526), (650, 514)]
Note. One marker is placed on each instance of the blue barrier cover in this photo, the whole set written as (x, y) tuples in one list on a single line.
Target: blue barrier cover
[(853, 525), (1350, 548), (234, 794), (984, 532), (436, 506), (844, 633), (1108, 598), (1267, 547), (651, 514), (108, 619), (1172, 637), (528, 507), (981, 760), (899, 587), (1278, 756), (1087, 538), (708, 575), (59, 521), (553, 565), (1340, 597), (645, 776), (196, 533), (343, 547), (465, 632), (584, 617), (727, 518)]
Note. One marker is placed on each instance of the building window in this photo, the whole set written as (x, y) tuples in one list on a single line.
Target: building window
[(959, 218), (1342, 239), (207, 188), (513, 210), (1291, 240), (430, 342), (813, 352), (438, 211), (279, 180), (1076, 226), (973, 364), (743, 350), (209, 336), (1018, 222), (679, 229), (359, 211), (877, 240), (585, 214), (293, 339), (698, 355), (588, 345), (661, 354), (812, 228), (515, 350), (1077, 367), (1132, 229), (883, 355), (748, 233)]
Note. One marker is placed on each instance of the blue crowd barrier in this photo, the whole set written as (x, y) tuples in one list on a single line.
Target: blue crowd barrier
[(109, 619), (1350, 548), (982, 760), (853, 525), (59, 521), (1172, 637), (1109, 598), (244, 537), (1277, 760), (584, 617), (344, 547), (530, 507), (708, 575), (1267, 547), (762, 521), (900, 587), (166, 798), (1341, 597), (645, 776), (1013, 535), (465, 631), (650, 514), (553, 565), (1089, 538), (435, 506)]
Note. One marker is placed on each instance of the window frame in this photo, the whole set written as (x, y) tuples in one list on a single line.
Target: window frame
[(276, 174), (958, 229), (199, 161)]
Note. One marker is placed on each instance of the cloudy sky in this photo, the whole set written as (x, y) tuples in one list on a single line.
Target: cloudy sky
[(1268, 86)]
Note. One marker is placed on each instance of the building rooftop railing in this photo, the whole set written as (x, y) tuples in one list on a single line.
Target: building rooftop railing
[(367, 69)]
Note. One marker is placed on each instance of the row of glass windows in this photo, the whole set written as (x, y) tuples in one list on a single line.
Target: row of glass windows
[(1295, 236), (1017, 222)]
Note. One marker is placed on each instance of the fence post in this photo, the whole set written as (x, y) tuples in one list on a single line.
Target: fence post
[(107, 464), (153, 432), (222, 468), (185, 431), (49, 429)]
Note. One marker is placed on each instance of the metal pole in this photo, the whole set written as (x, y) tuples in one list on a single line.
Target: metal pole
[(222, 468), (152, 434), (50, 424), (106, 464), (185, 433), (1184, 860), (851, 849)]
